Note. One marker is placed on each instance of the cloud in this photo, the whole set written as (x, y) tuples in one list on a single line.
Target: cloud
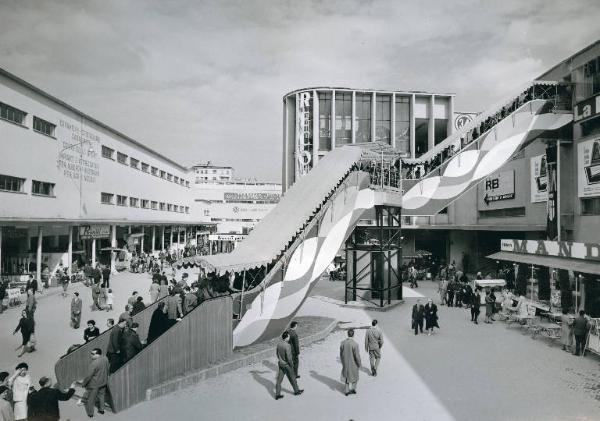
[(200, 80)]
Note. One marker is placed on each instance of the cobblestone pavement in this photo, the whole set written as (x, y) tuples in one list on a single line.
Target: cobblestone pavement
[(462, 372)]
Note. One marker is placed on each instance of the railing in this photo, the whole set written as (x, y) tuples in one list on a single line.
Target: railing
[(202, 338), (75, 365)]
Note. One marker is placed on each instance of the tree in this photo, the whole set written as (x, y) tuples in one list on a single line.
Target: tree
[(566, 296), (543, 283), (521, 283)]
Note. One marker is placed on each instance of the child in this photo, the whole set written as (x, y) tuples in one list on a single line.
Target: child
[(109, 300)]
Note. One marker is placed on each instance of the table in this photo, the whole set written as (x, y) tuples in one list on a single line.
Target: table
[(519, 318), (550, 330)]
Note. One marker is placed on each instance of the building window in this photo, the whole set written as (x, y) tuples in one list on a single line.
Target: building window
[(325, 121), (343, 118), (175, 208), (134, 163), (163, 174), (133, 202), (121, 200), (502, 213), (145, 203), (107, 198), (187, 209), (41, 188), (14, 184), (162, 206), (590, 206), (383, 115), (145, 167), (169, 177), (12, 114), (402, 119), (108, 152), (122, 158), (169, 207), (43, 126), (153, 205), (363, 117), (176, 179), (421, 136)]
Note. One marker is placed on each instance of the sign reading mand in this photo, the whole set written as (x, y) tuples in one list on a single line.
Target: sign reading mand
[(587, 251), (539, 178), (499, 187), (87, 232), (588, 168)]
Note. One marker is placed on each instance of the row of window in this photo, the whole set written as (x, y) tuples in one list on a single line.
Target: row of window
[(14, 115), (134, 202), (17, 184), (134, 163)]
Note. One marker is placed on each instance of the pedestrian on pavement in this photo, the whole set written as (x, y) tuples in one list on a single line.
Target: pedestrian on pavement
[(580, 329), (27, 328), (32, 284), (132, 300), (476, 304), (431, 317), (96, 291), (91, 331), (3, 296), (105, 272), (350, 358), (64, 280), (97, 274), (443, 290), (30, 303), (285, 364), (373, 344), (490, 301), (566, 330), (418, 312), (130, 343), (95, 382), (110, 299), (114, 345), (43, 404), (6, 411), (451, 290), (295, 344), (76, 305), (20, 382)]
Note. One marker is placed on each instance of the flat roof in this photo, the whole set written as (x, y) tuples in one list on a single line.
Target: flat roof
[(584, 49), (339, 88), (52, 98)]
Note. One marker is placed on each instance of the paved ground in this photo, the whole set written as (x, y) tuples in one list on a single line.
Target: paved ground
[(463, 372)]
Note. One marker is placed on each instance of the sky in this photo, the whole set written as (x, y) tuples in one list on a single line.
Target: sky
[(204, 80)]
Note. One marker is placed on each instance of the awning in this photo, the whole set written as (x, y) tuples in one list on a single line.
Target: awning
[(576, 265)]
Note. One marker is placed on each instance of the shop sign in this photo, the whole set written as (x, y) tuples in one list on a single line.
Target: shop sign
[(568, 249), (499, 187), (87, 232), (264, 197), (588, 168), (226, 237), (539, 178), (587, 109), (461, 120), (304, 139)]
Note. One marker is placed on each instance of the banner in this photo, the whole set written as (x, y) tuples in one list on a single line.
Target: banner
[(304, 134), (588, 168), (551, 208), (539, 178)]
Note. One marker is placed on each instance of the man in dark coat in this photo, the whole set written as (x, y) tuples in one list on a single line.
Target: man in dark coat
[(418, 312), (580, 329), (91, 331), (295, 344), (285, 364), (130, 343), (476, 303), (95, 382), (32, 284), (113, 350), (350, 358), (43, 404), (106, 275)]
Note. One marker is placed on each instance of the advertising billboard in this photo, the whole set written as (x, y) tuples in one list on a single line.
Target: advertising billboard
[(500, 186), (588, 168), (539, 178)]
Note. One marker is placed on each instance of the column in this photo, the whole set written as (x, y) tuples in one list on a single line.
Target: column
[(332, 120), (412, 126), (393, 121), (113, 243), (315, 128), (1, 249), (373, 117), (70, 251), (93, 252), (162, 237), (142, 241), (431, 131), (353, 125), (184, 236), (153, 238), (450, 116), (171, 238), (38, 261), (129, 229)]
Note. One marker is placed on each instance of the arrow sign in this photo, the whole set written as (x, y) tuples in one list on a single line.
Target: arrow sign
[(500, 186)]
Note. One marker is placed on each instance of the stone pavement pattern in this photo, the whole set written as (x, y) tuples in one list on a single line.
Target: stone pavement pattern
[(463, 372)]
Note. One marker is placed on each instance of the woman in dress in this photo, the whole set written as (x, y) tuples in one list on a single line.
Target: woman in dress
[(489, 306), (20, 382), (566, 330), (159, 323), (26, 327)]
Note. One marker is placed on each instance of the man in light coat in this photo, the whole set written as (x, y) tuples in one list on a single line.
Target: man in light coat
[(76, 305), (350, 357), (286, 366), (373, 344), (95, 382)]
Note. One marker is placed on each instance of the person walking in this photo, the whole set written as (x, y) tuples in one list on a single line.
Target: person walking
[(20, 382), (96, 291), (285, 366), (490, 301), (32, 284), (566, 330), (91, 331), (30, 303), (295, 344), (76, 305), (27, 328), (64, 280), (418, 312), (43, 404), (350, 358), (95, 382), (580, 329), (431, 317), (475, 305), (443, 290), (373, 344)]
